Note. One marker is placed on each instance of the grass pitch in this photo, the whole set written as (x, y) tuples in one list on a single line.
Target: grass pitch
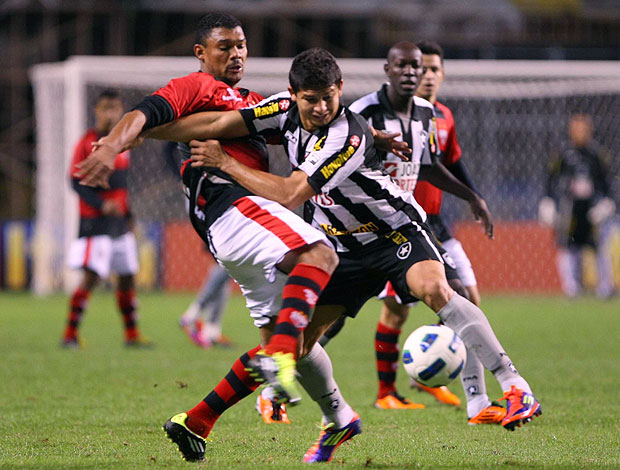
[(103, 407)]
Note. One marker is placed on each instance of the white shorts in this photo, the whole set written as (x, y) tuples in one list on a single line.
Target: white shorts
[(462, 266), (104, 254), (249, 240)]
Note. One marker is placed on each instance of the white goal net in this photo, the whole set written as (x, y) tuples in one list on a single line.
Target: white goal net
[(510, 116)]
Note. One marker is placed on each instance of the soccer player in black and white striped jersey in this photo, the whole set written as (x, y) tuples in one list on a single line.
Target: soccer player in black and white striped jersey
[(398, 106), (377, 228), (395, 108)]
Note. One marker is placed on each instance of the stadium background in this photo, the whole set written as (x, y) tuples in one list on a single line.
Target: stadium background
[(505, 142)]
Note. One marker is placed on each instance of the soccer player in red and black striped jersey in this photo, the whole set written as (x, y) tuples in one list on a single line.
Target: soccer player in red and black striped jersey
[(480, 409), (281, 263), (106, 242)]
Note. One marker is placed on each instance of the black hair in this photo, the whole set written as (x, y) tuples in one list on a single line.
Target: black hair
[(431, 48), (314, 69), (108, 94), (214, 20)]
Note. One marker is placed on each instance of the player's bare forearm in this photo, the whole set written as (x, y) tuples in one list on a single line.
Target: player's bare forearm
[(205, 125), (439, 176), (97, 168), (291, 191)]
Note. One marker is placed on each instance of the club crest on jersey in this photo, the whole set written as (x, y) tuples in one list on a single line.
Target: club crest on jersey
[(232, 96), (423, 136), (443, 137), (404, 251), (284, 104), (355, 141)]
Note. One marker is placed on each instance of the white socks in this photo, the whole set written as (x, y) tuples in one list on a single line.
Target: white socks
[(474, 386), (471, 324), (316, 375)]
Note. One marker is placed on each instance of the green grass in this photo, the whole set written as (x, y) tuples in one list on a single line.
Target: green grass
[(103, 407)]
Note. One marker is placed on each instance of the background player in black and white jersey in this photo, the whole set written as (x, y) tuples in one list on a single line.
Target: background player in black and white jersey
[(392, 107), (395, 108), (377, 228)]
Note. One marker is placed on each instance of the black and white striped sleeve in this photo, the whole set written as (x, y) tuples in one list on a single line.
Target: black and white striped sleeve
[(268, 116)]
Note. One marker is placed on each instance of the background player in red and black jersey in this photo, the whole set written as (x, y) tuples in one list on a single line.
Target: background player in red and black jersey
[(105, 241), (480, 410)]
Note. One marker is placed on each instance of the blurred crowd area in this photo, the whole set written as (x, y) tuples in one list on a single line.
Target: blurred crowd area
[(32, 32)]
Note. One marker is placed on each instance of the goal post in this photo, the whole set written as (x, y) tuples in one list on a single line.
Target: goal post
[(509, 114)]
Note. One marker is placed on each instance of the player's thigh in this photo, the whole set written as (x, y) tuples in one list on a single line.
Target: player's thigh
[(427, 281), (124, 259), (405, 256), (463, 265), (250, 241), (93, 253)]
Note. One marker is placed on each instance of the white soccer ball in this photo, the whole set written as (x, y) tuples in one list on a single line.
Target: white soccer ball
[(434, 355)]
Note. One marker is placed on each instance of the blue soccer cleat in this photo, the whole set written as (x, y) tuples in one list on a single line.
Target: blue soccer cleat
[(330, 439)]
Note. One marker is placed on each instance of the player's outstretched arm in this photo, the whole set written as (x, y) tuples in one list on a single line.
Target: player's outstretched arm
[(97, 168), (291, 191), (438, 175), (205, 125)]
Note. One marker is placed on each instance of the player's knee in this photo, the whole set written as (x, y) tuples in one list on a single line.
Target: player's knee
[(321, 255), (435, 292), (393, 314), (459, 288)]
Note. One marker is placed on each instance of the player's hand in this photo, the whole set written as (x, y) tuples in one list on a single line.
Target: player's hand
[(208, 153), (386, 141), (482, 215), (96, 169)]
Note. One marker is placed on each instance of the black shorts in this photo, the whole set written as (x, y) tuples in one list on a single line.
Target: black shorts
[(438, 227), (362, 274)]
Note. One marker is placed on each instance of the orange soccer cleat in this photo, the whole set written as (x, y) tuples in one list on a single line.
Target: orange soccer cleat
[(271, 411), (492, 414), (441, 394), (394, 401)]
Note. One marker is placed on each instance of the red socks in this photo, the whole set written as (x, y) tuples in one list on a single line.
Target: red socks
[(237, 385), (77, 305), (301, 292), (126, 300), (386, 349)]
